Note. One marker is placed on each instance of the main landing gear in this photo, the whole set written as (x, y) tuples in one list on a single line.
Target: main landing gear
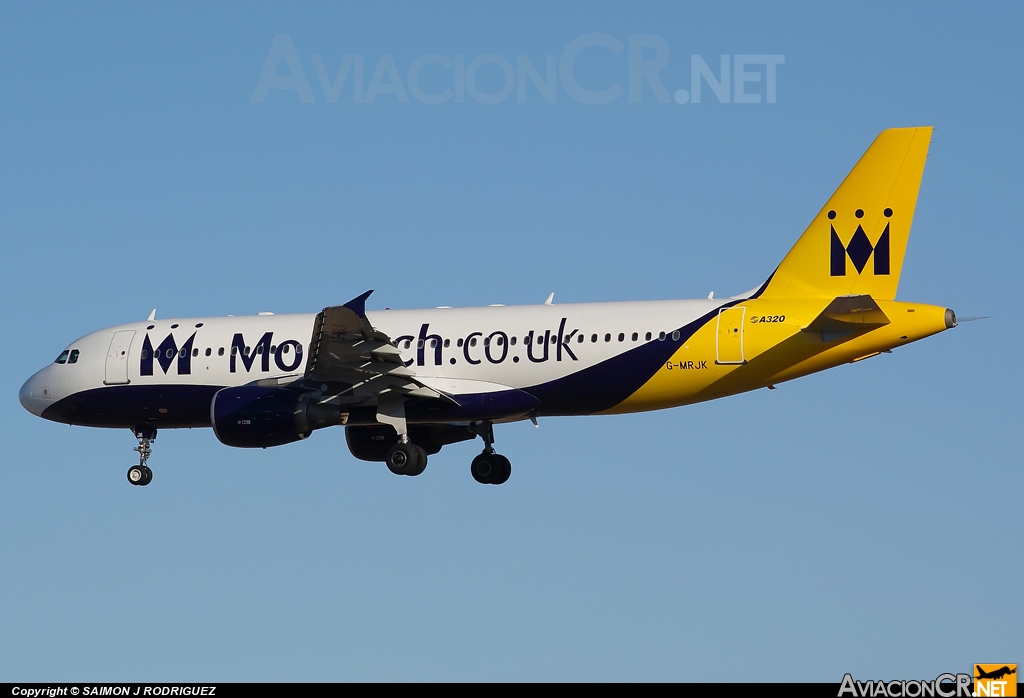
[(489, 468), (141, 474), (406, 458)]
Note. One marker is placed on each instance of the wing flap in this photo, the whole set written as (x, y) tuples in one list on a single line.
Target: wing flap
[(353, 357)]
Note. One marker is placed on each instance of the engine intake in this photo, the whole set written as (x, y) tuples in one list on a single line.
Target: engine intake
[(251, 416)]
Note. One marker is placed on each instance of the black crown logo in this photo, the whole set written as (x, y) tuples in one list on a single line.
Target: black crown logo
[(860, 249)]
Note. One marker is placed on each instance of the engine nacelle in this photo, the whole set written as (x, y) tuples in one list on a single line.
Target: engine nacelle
[(372, 442), (252, 416)]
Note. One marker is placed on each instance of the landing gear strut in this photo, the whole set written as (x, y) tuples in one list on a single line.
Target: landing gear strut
[(489, 468), (141, 474), (405, 457)]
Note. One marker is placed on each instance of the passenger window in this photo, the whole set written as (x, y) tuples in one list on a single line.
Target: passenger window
[(554, 339), (234, 351), (145, 354), (675, 336), (608, 337), (540, 340), (73, 359), (661, 336), (648, 336), (195, 352), (285, 348), (593, 338), (512, 341), (209, 351), (635, 336), (579, 339), (447, 343), (181, 353), (170, 353), (259, 349), (472, 342), (220, 352), (622, 336)]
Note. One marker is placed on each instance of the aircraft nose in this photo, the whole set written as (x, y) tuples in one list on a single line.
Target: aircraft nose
[(30, 395)]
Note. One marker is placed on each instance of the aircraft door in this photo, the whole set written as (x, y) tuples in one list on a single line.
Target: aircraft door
[(729, 342), (117, 358)]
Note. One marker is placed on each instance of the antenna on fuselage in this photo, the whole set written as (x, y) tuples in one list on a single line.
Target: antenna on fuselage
[(152, 315), (550, 300)]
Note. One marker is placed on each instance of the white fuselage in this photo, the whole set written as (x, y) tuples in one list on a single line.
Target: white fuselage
[(454, 350)]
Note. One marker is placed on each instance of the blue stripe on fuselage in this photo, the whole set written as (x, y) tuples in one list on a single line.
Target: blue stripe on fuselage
[(604, 385)]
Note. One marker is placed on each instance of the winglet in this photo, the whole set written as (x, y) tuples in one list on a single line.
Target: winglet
[(152, 315), (358, 304)]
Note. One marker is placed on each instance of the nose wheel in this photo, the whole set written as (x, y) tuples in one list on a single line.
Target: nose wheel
[(141, 474)]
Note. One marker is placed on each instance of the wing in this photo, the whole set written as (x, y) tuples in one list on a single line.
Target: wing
[(345, 349)]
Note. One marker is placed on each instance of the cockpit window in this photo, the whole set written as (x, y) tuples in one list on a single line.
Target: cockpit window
[(63, 357), (73, 359)]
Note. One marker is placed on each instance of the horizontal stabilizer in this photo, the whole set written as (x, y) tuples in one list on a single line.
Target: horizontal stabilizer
[(848, 314)]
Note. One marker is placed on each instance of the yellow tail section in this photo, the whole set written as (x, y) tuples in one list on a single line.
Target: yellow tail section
[(856, 243)]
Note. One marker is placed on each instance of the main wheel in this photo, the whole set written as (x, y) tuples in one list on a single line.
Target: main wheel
[(137, 475), (484, 467), (421, 463), (148, 476), (403, 459), (502, 470)]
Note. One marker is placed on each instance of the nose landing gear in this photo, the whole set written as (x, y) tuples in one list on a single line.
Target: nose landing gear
[(141, 474)]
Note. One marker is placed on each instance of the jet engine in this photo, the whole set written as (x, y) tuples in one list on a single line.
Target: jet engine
[(252, 416)]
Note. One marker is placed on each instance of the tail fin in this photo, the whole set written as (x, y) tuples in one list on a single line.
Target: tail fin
[(856, 243)]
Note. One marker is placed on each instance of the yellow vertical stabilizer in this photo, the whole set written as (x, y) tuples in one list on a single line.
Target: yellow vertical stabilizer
[(856, 243)]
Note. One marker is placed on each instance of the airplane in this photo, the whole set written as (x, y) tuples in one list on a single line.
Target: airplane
[(405, 383), (995, 674)]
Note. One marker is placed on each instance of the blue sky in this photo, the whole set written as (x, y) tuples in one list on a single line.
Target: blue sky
[(862, 520)]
